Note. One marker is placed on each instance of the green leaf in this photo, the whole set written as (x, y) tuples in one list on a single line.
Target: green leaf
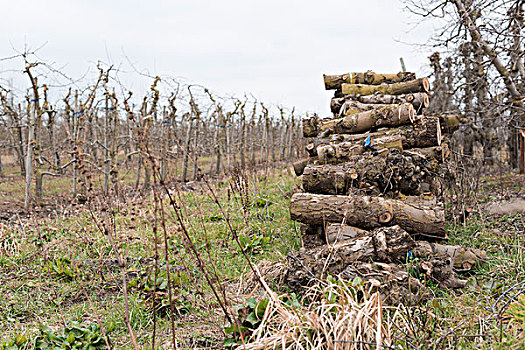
[(252, 319), (229, 342), (20, 340), (230, 329), (252, 303), (70, 338), (164, 284), (261, 307)]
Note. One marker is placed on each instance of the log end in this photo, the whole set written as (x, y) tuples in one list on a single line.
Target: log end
[(299, 166), (385, 217), (438, 132), (425, 84), (411, 112), (426, 100)]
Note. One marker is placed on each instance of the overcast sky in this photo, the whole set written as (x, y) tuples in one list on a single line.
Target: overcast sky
[(277, 50)]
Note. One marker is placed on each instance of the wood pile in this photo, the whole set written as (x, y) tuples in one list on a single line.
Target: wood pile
[(371, 202)]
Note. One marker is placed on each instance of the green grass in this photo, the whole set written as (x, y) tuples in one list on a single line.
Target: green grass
[(57, 263), (65, 267)]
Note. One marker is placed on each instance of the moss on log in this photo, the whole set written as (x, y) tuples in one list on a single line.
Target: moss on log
[(417, 85), (332, 82), (352, 107), (394, 115), (418, 100)]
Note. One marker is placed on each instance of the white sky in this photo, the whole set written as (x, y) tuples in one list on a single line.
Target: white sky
[(277, 50)]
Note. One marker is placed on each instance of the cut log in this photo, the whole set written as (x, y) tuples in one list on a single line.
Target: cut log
[(299, 166), (419, 100), (360, 122), (332, 82), (390, 175), (311, 125), (463, 258), (311, 148), (449, 123), (438, 153), (407, 87), (353, 107), (341, 152), (393, 281), (439, 269), (336, 233), (367, 212), (385, 244), (312, 236), (424, 132)]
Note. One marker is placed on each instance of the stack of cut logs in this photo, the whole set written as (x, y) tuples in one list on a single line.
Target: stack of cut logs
[(371, 203)]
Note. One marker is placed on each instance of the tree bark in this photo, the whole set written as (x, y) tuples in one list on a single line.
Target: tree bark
[(299, 166), (352, 107), (367, 212), (387, 244), (361, 122), (424, 132), (337, 233), (332, 82), (463, 258), (417, 85), (439, 153), (449, 123), (397, 172), (186, 155), (419, 100), (341, 152)]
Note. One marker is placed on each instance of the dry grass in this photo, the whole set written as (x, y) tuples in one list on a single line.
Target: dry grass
[(330, 316)]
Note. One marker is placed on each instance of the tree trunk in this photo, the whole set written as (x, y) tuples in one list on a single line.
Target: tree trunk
[(361, 122), (397, 172), (417, 85), (196, 169), (332, 82), (29, 156), (186, 150), (243, 141), (106, 146), (367, 212)]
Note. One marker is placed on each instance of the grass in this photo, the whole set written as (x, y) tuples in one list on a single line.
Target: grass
[(58, 266), (63, 268)]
